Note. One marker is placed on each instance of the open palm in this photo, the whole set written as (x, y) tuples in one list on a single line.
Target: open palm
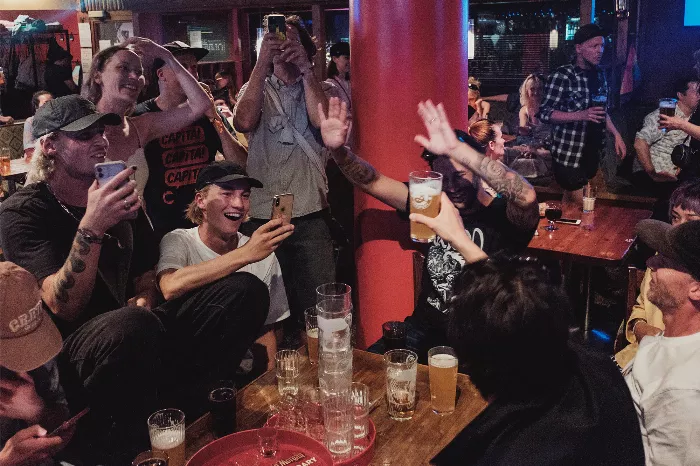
[(334, 128), (441, 138)]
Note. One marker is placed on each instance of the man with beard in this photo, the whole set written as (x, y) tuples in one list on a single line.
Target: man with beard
[(502, 219), (663, 377)]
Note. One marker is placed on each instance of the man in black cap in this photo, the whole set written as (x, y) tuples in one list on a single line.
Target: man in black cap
[(575, 103), (78, 242), (175, 160), (663, 377), (197, 258)]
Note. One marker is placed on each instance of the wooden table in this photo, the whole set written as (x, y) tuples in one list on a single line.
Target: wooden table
[(18, 171), (406, 443), (604, 238)]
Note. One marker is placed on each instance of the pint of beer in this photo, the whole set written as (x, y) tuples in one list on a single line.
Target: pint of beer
[(442, 373), (167, 431), (667, 107), (424, 189)]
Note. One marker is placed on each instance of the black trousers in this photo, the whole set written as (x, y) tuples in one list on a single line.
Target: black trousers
[(127, 363)]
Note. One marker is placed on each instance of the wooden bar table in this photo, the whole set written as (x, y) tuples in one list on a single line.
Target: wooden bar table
[(604, 238), (405, 443), (18, 171)]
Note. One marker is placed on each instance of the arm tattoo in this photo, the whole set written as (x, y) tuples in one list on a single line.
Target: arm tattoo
[(65, 279), (357, 170), (505, 181)]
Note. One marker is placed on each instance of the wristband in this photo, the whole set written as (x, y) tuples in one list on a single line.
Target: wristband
[(89, 236)]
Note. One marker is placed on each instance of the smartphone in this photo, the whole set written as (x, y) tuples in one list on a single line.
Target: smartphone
[(282, 205), (69, 423), (277, 25), (569, 221), (107, 170)]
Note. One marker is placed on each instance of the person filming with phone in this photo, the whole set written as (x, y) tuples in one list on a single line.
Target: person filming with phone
[(277, 108)]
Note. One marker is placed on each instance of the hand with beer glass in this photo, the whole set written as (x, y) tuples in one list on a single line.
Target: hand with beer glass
[(667, 107)]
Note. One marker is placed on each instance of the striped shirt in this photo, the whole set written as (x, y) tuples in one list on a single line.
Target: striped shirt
[(660, 144), (567, 91)]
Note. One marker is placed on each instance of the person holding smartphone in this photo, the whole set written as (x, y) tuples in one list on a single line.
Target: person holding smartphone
[(277, 108)]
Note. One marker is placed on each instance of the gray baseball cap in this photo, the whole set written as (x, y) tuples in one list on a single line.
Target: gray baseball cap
[(69, 113)]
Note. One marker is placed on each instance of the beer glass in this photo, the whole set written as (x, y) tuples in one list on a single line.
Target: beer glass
[(151, 458), (334, 305), (359, 393), (313, 414), (267, 438), (588, 198), (667, 107), (442, 372), (5, 161), (310, 316), (287, 370), (338, 422), (167, 431), (424, 189), (222, 407), (394, 335), (401, 371)]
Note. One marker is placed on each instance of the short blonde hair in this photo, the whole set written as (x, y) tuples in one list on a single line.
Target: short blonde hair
[(193, 213)]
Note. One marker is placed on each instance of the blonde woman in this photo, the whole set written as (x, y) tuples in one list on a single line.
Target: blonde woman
[(478, 108), (531, 93)]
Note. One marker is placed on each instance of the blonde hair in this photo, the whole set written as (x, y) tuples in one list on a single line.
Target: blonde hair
[(474, 82), (43, 166), (527, 85), (193, 213)]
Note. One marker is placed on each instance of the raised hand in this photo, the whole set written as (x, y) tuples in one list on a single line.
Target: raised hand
[(147, 49), (294, 53), (270, 48), (334, 128), (441, 137)]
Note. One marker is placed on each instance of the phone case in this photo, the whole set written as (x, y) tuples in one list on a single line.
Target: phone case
[(277, 25), (282, 205), (108, 170)]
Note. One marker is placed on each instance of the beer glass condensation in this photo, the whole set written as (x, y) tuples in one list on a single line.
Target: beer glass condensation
[(401, 372), (442, 372), (667, 107), (424, 189), (167, 431)]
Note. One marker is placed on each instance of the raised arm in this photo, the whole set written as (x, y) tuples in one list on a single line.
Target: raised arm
[(175, 280), (246, 113), (334, 129), (68, 291), (154, 125), (313, 91)]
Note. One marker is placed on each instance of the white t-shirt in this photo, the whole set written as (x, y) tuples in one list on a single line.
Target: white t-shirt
[(664, 379), (183, 247)]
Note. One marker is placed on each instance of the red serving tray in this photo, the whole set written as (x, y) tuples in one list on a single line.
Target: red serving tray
[(241, 448)]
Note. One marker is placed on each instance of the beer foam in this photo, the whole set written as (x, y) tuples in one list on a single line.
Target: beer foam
[(443, 361), (167, 439), (667, 104), (312, 332), (425, 189)]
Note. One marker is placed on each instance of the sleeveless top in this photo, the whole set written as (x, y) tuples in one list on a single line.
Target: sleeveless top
[(138, 159)]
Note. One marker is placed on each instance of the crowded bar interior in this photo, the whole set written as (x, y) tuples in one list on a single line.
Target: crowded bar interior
[(224, 242)]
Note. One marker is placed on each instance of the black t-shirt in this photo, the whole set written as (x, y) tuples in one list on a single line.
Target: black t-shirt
[(37, 234), (590, 421), (695, 120), (56, 77), (491, 230), (593, 142), (174, 161)]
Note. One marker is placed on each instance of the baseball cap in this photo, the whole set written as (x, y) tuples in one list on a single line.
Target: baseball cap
[(340, 48), (178, 47), (223, 172), (678, 246), (587, 32), (69, 113), (28, 337)]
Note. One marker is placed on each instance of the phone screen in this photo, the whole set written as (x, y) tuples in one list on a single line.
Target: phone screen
[(277, 24)]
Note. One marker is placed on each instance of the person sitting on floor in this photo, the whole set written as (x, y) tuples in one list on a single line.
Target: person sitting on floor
[(646, 319), (551, 402), (193, 258), (663, 376)]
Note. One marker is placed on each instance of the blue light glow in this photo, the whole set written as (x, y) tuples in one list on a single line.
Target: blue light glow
[(692, 13)]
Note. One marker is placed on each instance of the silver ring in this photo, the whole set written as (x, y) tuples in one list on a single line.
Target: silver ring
[(431, 121), (127, 206)]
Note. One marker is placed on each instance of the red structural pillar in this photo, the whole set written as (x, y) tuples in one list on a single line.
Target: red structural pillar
[(403, 51)]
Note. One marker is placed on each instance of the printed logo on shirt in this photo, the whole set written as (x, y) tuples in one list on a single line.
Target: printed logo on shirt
[(188, 156)]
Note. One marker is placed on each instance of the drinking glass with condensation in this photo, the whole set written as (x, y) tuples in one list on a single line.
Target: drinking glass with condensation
[(442, 373), (424, 190), (167, 431), (401, 371), (287, 369)]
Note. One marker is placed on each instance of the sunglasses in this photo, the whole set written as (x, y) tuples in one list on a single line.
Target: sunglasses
[(473, 87)]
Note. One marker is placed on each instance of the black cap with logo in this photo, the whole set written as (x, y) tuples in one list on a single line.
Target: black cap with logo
[(222, 173), (69, 113)]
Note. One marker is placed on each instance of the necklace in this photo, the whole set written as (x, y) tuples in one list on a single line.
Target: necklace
[(72, 215)]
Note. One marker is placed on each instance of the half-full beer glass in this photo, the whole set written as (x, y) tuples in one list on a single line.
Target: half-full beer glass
[(442, 372), (401, 371), (167, 431), (424, 189), (667, 107)]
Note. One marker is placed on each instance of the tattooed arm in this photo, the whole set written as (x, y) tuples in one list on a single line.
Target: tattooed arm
[(334, 130), (68, 291)]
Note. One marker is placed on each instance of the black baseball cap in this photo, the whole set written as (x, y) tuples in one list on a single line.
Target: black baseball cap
[(340, 48), (178, 47), (223, 172), (69, 113), (678, 246), (587, 32)]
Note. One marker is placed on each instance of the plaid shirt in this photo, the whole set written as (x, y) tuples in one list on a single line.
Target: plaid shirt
[(567, 91)]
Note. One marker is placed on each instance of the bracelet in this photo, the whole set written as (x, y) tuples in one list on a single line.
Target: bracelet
[(636, 322), (89, 236)]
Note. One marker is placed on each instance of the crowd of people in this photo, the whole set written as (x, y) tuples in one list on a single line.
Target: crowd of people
[(137, 293)]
